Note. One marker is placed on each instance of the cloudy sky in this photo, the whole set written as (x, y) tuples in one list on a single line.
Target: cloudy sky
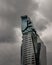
[(40, 12)]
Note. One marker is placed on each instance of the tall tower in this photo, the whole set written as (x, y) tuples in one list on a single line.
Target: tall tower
[(31, 43)]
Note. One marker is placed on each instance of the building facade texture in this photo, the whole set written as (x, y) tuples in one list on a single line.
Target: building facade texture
[(33, 50)]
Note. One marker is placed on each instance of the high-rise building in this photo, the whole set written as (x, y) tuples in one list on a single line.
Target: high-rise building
[(31, 53)]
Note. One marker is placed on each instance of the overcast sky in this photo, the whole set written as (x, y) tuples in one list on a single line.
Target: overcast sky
[(40, 12)]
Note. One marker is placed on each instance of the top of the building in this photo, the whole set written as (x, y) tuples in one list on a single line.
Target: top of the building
[(27, 24), (24, 17)]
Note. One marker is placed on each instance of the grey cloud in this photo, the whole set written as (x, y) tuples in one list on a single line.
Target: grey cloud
[(25, 7), (39, 22), (14, 9), (47, 36), (10, 12), (47, 9), (9, 54)]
